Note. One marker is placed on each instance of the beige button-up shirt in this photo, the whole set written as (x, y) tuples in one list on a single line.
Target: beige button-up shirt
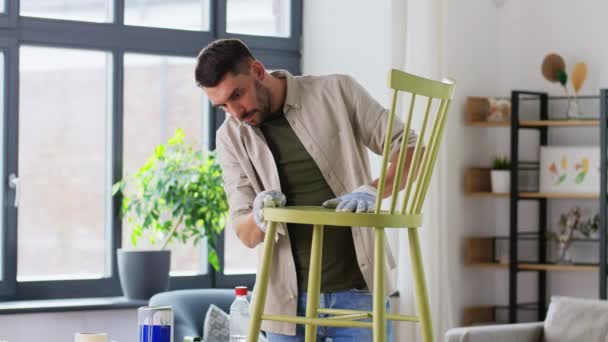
[(336, 120)]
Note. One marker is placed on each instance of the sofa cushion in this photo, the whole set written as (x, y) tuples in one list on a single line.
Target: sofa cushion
[(575, 319)]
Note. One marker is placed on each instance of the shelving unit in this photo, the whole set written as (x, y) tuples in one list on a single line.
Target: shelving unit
[(536, 123), (480, 251)]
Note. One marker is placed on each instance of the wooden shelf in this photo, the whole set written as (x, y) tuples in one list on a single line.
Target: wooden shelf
[(559, 195), (489, 265), (489, 123), (557, 123), (536, 123), (479, 252), (537, 267), (487, 194), (477, 314), (477, 181), (549, 195), (556, 267)]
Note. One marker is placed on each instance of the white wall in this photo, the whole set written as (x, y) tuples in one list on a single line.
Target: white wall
[(469, 47), (120, 325), (350, 37)]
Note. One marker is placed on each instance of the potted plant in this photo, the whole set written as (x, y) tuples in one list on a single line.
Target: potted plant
[(499, 175), (177, 195), (569, 223)]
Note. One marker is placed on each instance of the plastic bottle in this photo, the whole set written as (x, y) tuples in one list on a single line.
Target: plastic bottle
[(239, 315)]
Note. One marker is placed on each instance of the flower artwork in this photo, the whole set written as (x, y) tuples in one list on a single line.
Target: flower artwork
[(582, 168), (569, 169), (558, 175)]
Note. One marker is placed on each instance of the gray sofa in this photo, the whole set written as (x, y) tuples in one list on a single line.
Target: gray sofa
[(568, 320)]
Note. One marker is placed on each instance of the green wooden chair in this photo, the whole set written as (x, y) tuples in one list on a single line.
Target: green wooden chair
[(408, 217)]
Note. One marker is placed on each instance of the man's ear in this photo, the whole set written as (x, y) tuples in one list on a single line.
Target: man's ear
[(258, 70)]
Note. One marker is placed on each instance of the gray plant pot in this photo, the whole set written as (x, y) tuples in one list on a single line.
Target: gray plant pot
[(143, 273)]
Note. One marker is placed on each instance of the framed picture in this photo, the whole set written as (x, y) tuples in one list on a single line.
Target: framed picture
[(570, 169)]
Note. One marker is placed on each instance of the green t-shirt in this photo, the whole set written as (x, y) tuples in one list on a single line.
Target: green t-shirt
[(303, 184)]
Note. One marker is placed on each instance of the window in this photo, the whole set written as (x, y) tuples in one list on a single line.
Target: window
[(82, 10), (181, 14), (63, 124), (2, 228), (84, 103), (259, 17), (159, 97)]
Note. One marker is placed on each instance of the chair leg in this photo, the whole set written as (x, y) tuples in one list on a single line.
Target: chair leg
[(379, 305), (422, 301), (262, 284), (314, 281)]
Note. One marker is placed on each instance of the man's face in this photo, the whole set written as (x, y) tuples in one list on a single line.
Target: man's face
[(243, 96)]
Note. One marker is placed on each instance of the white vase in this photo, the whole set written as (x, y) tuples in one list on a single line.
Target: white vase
[(500, 180), (573, 112)]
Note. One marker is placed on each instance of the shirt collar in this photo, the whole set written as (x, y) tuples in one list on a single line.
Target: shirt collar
[(292, 96)]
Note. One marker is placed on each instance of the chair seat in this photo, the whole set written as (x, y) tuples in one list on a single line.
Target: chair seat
[(329, 217)]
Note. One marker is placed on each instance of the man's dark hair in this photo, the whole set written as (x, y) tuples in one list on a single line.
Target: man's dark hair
[(219, 58)]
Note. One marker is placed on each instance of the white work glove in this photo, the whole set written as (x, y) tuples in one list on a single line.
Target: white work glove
[(360, 200), (266, 199)]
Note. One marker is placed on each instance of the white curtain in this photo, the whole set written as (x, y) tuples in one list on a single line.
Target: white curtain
[(417, 48)]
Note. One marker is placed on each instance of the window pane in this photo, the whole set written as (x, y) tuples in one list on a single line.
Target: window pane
[(82, 10), (2, 7), (178, 14), (259, 17), (160, 96), (64, 108), (1, 156), (238, 258)]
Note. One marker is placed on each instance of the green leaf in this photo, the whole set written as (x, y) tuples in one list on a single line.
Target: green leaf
[(560, 180), (213, 259), (580, 177), (562, 77), (159, 151), (117, 187)]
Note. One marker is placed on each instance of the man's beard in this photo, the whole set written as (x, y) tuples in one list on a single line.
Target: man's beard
[(263, 99), (263, 104)]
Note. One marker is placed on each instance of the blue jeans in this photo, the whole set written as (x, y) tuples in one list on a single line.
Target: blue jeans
[(350, 299)]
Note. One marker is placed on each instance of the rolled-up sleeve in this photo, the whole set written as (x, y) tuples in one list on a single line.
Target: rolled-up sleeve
[(239, 190), (371, 119)]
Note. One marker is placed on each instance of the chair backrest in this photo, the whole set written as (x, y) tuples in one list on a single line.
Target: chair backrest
[(424, 162)]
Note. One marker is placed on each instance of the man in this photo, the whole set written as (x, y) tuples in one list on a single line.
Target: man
[(299, 141)]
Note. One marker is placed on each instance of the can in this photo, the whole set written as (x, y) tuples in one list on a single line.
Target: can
[(155, 323)]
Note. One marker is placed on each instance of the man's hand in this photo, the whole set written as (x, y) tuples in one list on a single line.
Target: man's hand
[(266, 199), (361, 200)]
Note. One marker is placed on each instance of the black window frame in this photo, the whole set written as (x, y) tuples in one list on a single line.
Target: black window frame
[(8, 18), (8, 253), (117, 39)]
